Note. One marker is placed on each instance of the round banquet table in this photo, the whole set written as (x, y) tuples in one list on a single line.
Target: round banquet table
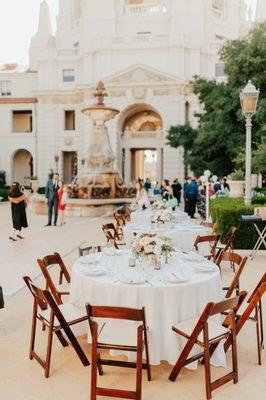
[(167, 303), (183, 235), (141, 216)]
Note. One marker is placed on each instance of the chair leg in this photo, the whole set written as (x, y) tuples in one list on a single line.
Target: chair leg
[(257, 317), (100, 368), (261, 325), (147, 355), (33, 330), (139, 363), (49, 351), (61, 338), (234, 358), (181, 361), (94, 361), (207, 367), (73, 340)]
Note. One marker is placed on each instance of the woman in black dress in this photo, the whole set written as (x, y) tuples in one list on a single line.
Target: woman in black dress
[(18, 209)]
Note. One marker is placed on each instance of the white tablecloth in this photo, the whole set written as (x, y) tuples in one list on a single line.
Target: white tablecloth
[(183, 235), (141, 216), (166, 304)]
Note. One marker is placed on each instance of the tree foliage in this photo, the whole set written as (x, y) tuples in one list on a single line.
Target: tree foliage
[(220, 135)]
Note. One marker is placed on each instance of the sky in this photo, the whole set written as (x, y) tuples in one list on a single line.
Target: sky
[(19, 22)]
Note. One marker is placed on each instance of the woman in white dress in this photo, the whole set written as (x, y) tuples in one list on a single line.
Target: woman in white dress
[(142, 196)]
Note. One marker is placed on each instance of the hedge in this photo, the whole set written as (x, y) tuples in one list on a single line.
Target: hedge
[(227, 212)]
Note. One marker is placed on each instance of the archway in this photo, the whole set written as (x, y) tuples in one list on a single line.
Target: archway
[(141, 129), (22, 167)]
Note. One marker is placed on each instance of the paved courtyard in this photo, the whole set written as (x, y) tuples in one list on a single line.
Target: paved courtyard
[(23, 379)]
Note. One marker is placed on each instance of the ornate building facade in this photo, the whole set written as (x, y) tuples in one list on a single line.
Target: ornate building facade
[(145, 52)]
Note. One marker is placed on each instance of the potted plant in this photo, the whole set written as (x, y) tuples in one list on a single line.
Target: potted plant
[(237, 183), (34, 184)]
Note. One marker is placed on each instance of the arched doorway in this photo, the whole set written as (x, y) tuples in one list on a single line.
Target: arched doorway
[(142, 143), (22, 167)]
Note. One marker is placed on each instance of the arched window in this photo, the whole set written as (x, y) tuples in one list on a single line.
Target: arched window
[(187, 112)]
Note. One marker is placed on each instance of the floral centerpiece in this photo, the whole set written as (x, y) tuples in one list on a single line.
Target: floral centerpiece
[(159, 205), (162, 216), (147, 245)]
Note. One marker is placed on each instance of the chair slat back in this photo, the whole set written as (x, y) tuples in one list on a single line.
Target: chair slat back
[(225, 305), (87, 250), (211, 239), (122, 313), (110, 233), (44, 264), (37, 293)]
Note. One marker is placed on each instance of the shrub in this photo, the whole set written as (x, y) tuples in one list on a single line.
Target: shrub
[(4, 192), (227, 212), (2, 178), (41, 190), (259, 200)]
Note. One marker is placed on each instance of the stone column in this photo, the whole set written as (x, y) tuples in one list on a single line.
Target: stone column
[(159, 165), (127, 166)]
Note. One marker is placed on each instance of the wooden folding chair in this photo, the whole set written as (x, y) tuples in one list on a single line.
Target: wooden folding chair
[(228, 241), (57, 318), (204, 332), (118, 313), (210, 225), (234, 259), (55, 260), (112, 235), (212, 240), (251, 310), (83, 251), (120, 223)]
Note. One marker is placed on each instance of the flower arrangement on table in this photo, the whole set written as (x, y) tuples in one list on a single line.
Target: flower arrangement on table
[(146, 245), (162, 216), (159, 205)]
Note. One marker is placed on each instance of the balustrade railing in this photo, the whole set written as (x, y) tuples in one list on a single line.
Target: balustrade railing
[(145, 8)]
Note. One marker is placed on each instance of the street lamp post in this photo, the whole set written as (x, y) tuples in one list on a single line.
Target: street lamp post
[(249, 100)]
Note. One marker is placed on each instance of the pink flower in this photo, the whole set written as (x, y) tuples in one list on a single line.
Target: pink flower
[(138, 247)]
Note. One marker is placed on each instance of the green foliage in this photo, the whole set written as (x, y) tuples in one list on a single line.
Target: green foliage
[(238, 175), (182, 135), (220, 136), (4, 192), (2, 178), (227, 212), (41, 190), (259, 200)]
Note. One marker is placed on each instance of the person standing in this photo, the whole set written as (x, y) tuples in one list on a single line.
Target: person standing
[(167, 190), (177, 188), (51, 194), (191, 194), (62, 197), (187, 181), (142, 198), (18, 209), (147, 185)]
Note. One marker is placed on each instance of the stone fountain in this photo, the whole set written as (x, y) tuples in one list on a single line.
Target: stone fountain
[(98, 178), (98, 188), (99, 183)]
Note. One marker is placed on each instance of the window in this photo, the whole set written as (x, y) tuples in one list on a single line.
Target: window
[(69, 120), (6, 88), (219, 69), (68, 75), (22, 121)]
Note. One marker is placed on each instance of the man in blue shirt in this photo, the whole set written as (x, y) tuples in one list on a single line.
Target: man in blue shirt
[(191, 196)]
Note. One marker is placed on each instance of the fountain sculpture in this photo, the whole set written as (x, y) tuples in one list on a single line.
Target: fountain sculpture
[(98, 188), (99, 179)]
